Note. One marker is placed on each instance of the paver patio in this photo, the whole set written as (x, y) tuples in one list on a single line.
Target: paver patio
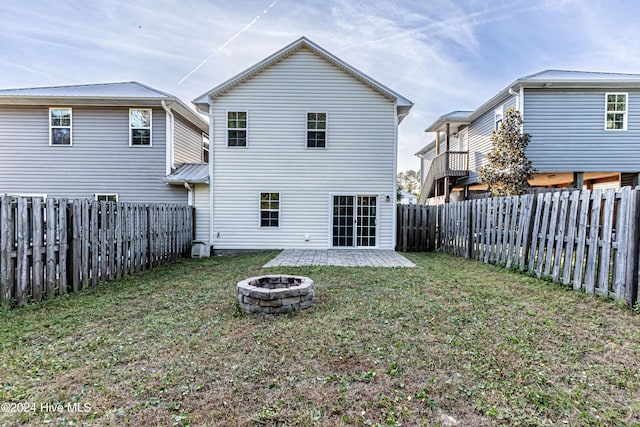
[(339, 257)]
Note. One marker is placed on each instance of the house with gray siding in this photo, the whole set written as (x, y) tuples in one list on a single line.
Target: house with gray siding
[(584, 127), (115, 141), (302, 155)]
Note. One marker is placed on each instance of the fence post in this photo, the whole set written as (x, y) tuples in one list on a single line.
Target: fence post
[(6, 247), (633, 234)]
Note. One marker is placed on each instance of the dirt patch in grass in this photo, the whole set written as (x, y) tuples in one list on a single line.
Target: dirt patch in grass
[(451, 340)]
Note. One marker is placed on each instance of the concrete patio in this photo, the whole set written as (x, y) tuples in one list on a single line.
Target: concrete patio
[(339, 257)]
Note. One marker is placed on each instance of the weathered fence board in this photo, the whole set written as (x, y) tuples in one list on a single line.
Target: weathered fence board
[(589, 240), (54, 246)]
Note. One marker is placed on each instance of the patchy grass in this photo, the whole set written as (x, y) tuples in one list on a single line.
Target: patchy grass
[(452, 339)]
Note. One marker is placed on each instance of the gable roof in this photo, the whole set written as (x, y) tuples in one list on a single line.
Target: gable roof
[(202, 102), (587, 76), (107, 94)]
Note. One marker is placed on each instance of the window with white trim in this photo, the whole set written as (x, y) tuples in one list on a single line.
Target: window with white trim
[(205, 147), (60, 126), (106, 197), (140, 127), (616, 111), (236, 128), (269, 209), (498, 115), (316, 130)]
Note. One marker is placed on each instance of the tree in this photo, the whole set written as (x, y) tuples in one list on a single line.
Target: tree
[(508, 170), (409, 181)]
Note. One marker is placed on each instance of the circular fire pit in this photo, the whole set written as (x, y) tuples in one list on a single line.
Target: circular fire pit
[(274, 294)]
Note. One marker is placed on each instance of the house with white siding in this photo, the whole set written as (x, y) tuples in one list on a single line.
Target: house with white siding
[(302, 155), (584, 127), (114, 141)]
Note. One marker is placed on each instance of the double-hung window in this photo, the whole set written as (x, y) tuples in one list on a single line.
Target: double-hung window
[(205, 147), (60, 126), (269, 209), (616, 111), (316, 130), (236, 128), (498, 115), (140, 127)]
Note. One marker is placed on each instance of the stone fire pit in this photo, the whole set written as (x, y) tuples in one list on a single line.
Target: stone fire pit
[(274, 294)]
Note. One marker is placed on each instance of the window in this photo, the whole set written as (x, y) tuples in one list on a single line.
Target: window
[(497, 118), (106, 197), (236, 128), (616, 111), (205, 147), (269, 209), (140, 127), (60, 126), (316, 130)]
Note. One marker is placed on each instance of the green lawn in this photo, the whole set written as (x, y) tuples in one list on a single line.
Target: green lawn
[(450, 339)]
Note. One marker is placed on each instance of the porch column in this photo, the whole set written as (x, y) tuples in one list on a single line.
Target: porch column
[(578, 180)]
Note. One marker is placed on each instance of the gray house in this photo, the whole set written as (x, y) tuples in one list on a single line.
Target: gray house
[(115, 141), (303, 155), (584, 126)]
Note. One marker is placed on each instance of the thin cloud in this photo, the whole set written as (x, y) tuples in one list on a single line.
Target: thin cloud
[(249, 25)]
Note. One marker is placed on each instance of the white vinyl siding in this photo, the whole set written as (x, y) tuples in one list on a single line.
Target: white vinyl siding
[(359, 159), (201, 205), (187, 142), (100, 162), (480, 132)]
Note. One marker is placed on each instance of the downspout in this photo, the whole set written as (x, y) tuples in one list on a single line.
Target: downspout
[(212, 156), (394, 194), (169, 137), (516, 95), (189, 193)]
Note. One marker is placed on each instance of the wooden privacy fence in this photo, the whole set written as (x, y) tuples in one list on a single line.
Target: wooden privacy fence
[(588, 240), (54, 246)]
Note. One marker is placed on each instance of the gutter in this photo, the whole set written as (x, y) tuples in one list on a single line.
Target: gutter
[(169, 138)]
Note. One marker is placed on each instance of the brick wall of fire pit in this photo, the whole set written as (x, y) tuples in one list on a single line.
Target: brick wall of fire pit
[(275, 294)]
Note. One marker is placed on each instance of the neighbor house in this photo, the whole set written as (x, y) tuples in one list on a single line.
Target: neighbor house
[(114, 141), (584, 127), (302, 155)]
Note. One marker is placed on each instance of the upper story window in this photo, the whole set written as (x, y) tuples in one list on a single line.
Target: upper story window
[(60, 126), (236, 128), (498, 115), (140, 127), (316, 130), (205, 147), (269, 209), (616, 111)]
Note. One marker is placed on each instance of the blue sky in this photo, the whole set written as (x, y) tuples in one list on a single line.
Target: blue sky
[(442, 54)]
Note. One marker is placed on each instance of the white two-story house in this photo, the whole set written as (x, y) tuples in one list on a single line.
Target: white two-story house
[(584, 127), (114, 141), (302, 155)]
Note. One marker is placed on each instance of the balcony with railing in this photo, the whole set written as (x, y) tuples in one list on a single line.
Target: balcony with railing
[(453, 164)]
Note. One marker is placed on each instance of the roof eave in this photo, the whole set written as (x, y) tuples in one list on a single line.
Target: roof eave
[(205, 99)]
